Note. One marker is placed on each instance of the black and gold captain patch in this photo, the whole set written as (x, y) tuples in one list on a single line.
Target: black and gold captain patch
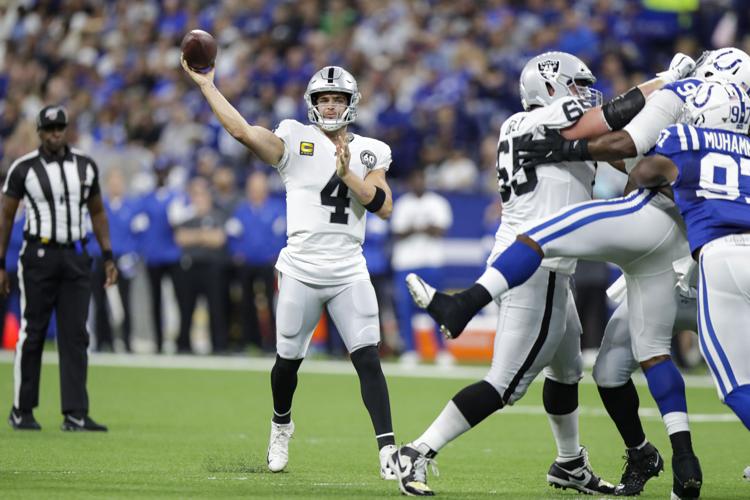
[(306, 148)]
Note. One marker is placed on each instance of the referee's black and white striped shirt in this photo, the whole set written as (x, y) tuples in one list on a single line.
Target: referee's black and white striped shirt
[(55, 192)]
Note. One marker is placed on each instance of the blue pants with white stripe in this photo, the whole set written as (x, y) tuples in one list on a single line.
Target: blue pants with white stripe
[(723, 312), (642, 233)]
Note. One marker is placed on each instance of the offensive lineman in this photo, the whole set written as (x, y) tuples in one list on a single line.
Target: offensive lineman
[(555, 91), (606, 230), (331, 177)]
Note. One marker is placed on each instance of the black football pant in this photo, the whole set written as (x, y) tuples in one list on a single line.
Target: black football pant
[(155, 275), (53, 278), (251, 332), (101, 308), (204, 278)]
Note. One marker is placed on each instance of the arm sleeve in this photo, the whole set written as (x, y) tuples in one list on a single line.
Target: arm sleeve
[(662, 109)]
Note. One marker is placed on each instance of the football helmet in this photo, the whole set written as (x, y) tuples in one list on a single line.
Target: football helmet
[(332, 79), (552, 75), (718, 105), (727, 64)]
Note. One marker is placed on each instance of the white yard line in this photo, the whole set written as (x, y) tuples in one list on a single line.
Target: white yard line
[(326, 367)]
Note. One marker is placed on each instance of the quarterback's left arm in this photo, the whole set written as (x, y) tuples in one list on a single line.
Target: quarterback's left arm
[(653, 172), (372, 191)]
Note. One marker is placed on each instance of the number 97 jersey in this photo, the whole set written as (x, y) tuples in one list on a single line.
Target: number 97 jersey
[(712, 189), (531, 194), (325, 222)]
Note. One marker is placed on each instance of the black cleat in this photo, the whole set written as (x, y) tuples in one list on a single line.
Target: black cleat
[(81, 423), (447, 310), (23, 420), (578, 475), (410, 465), (687, 477), (640, 466)]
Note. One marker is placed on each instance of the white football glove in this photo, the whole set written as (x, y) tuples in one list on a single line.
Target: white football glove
[(680, 67)]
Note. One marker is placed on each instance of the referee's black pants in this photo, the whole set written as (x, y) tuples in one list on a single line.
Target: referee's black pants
[(53, 278)]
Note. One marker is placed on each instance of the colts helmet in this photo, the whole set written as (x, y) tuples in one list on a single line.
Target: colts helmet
[(718, 105), (332, 79), (552, 75), (727, 64)]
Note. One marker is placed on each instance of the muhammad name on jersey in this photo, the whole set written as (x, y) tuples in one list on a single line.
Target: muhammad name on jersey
[(712, 189)]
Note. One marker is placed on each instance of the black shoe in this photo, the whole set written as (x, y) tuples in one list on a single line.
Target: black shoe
[(81, 423), (640, 466), (410, 466), (447, 310), (23, 420), (578, 475), (687, 477)]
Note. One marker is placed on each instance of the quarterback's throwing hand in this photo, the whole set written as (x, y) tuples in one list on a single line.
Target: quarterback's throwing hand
[(199, 78), (342, 156)]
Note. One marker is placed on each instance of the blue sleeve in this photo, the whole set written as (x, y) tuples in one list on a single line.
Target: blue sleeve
[(683, 88), (672, 140)]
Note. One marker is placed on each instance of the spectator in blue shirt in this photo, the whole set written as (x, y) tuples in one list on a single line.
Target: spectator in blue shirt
[(11, 303), (257, 233), (156, 246), (377, 255), (120, 210)]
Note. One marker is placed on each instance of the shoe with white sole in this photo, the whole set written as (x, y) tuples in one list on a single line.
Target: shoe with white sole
[(278, 446)]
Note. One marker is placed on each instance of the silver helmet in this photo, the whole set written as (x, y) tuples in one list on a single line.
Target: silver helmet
[(727, 64), (552, 75), (332, 79)]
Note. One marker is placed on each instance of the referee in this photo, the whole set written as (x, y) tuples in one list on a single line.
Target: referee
[(57, 184)]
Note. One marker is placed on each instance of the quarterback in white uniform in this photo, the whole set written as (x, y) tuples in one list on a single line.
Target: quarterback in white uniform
[(332, 177), (538, 327)]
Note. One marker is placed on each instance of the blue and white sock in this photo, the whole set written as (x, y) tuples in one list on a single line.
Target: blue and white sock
[(739, 401), (511, 268)]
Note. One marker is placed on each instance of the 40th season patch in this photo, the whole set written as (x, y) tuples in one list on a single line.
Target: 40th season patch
[(368, 158), (306, 148)]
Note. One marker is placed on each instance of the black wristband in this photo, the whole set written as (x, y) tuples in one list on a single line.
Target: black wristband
[(577, 150), (377, 201), (108, 255), (2, 262)]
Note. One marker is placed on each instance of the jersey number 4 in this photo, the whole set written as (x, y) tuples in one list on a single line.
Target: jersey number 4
[(340, 200)]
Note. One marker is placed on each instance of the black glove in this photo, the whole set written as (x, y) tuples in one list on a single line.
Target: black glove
[(552, 148)]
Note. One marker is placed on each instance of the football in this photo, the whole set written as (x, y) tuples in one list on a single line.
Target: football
[(199, 50)]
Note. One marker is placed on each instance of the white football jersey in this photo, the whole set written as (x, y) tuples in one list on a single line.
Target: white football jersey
[(325, 223), (534, 193)]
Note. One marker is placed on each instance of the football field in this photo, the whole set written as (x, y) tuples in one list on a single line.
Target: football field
[(198, 428)]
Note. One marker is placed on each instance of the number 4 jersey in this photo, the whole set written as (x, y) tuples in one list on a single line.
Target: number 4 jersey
[(712, 189), (531, 194), (325, 223)]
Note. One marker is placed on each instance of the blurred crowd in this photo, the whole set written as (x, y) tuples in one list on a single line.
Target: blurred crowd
[(437, 77)]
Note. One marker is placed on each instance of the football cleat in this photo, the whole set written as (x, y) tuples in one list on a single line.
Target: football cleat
[(81, 423), (578, 475), (410, 464), (447, 310), (687, 477), (23, 420), (278, 446), (386, 472), (640, 466)]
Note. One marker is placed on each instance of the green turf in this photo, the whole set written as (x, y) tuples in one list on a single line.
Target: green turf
[(195, 433)]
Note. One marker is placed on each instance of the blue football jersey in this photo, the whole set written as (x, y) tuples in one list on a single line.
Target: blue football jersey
[(683, 88), (712, 189)]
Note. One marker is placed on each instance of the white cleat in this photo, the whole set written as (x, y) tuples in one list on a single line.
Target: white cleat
[(386, 472), (420, 291), (278, 446)]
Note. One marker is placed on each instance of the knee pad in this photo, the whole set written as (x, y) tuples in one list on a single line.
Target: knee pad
[(559, 399)]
